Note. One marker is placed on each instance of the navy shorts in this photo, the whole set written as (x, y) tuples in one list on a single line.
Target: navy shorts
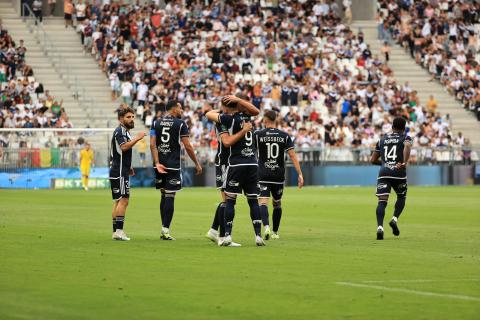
[(170, 181), (220, 176), (385, 185), (274, 190), (242, 178), (120, 187)]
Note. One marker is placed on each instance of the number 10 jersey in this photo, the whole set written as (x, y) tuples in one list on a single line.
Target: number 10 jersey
[(272, 144)]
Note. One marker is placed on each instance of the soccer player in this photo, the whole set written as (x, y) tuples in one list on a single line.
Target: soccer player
[(121, 169), (165, 136), (86, 160), (242, 165), (225, 140), (272, 145), (392, 153)]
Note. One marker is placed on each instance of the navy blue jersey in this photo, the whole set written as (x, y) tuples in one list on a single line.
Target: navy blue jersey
[(272, 145), (243, 152), (390, 148), (168, 132), (120, 161), (221, 158)]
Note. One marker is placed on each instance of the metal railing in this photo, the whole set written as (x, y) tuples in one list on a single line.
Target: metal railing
[(59, 63), (68, 157)]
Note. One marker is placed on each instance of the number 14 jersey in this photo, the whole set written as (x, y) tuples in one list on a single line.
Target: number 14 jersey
[(390, 148)]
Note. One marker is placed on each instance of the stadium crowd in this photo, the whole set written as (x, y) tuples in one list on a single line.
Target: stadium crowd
[(24, 103), (297, 58), (442, 36)]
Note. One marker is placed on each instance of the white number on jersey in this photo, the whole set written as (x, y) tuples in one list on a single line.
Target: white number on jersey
[(390, 155), (165, 135), (249, 138), (272, 150)]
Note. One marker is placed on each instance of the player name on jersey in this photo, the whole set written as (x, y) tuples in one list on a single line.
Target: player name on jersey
[(272, 144)]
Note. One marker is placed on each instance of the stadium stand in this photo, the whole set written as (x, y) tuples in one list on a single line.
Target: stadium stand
[(24, 102), (323, 78), (443, 38), (298, 58)]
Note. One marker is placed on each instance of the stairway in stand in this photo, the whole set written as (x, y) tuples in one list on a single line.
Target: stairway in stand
[(406, 70)]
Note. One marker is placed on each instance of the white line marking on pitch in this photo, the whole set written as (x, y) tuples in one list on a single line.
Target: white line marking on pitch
[(419, 280), (421, 293)]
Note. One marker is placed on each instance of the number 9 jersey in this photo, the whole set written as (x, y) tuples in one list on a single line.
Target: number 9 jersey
[(243, 152), (390, 148)]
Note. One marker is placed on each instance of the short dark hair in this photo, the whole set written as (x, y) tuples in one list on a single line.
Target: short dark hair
[(399, 123), (122, 111), (171, 104), (270, 115)]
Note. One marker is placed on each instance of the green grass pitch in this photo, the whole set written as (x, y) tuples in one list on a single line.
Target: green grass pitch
[(57, 259)]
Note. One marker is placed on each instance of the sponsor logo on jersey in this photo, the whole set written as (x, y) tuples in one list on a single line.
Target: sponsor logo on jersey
[(271, 164), (233, 183), (174, 181), (164, 148), (247, 152), (381, 185)]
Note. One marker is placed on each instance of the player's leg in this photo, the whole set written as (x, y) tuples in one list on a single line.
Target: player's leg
[(169, 209), (401, 191), (276, 217), (162, 205), (383, 191), (232, 188), (87, 175), (121, 209), (252, 191), (160, 181), (172, 185), (114, 215), (83, 171), (263, 202), (212, 233), (230, 201), (277, 193)]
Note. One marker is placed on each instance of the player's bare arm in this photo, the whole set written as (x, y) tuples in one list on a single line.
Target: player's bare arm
[(375, 159), (128, 145), (293, 156), (153, 149), (229, 140), (212, 115), (243, 105), (191, 154), (406, 155)]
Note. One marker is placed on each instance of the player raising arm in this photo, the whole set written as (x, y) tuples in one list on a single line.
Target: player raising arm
[(242, 165), (225, 141), (165, 136), (392, 153), (121, 169), (272, 145)]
